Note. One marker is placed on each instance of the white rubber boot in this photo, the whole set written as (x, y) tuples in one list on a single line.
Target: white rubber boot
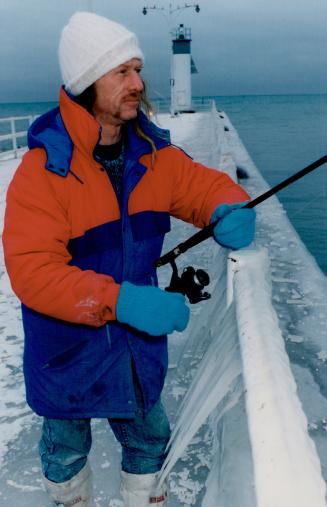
[(142, 491), (77, 492)]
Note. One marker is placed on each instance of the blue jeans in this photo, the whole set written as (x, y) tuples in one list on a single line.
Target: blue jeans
[(66, 443)]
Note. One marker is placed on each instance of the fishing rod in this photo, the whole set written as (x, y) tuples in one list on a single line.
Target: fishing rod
[(192, 282)]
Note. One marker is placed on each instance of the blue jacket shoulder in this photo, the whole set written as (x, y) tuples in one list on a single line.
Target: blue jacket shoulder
[(49, 132)]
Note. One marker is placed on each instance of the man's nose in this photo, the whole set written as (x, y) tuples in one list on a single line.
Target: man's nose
[(136, 83)]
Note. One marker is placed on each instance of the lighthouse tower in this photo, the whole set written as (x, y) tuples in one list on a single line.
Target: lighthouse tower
[(181, 69)]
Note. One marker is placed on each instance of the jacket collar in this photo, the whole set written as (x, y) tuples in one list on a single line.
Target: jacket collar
[(70, 126)]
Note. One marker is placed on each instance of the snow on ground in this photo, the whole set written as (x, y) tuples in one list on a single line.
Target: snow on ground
[(299, 298), (14, 414)]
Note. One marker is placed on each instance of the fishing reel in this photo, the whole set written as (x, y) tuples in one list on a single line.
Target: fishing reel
[(191, 283)]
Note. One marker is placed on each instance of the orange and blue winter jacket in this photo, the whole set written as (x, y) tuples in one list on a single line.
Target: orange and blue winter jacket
[(69, 243)]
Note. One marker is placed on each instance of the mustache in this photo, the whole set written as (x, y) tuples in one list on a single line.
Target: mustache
[(133, 96)]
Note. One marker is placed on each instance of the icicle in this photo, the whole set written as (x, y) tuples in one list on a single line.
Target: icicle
[(230, 479), (210, 387), (201, 333)]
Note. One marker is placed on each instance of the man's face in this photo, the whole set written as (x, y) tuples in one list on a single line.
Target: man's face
[(118, 92)]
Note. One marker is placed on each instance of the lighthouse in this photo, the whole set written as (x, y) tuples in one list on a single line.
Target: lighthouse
[(182, 67)]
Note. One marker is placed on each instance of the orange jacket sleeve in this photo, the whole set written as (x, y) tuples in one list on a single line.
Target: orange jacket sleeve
[(198, 190), (35, 238)]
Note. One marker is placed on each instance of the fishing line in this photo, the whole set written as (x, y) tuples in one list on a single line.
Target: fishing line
[(307, 205)]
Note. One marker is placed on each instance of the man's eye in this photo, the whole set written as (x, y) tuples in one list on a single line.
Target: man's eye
[(138, 70)]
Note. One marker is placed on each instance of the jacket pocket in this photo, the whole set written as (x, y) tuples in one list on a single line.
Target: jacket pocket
[(65, 357), (50, 340)]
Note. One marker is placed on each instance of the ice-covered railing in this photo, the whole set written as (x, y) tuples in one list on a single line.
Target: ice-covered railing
[(221, 149), (286, 464), (12, 129), (276, 464)]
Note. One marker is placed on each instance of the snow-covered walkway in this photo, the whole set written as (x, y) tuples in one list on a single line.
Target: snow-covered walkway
[(299, 297)]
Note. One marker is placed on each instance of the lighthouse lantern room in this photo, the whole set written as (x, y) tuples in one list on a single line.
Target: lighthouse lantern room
[(181, 68)]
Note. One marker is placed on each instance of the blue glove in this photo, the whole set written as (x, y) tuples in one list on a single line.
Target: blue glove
[(236, 227), (151, 309)]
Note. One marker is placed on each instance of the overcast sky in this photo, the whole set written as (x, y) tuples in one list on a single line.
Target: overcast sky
[(239, 46)]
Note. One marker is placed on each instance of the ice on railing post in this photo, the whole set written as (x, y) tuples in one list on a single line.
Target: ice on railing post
[(221, 148), (14, 138), (286, 464)]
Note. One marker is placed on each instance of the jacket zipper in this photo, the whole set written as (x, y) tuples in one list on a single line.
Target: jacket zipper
[(108, 335), (124, 214)]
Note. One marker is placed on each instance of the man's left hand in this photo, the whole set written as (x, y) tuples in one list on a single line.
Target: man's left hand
[(236, 226)]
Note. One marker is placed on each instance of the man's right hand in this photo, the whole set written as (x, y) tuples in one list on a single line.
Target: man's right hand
[(151, 309)]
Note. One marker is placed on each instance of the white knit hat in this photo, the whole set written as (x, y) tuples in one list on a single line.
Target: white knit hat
[(90, 46)]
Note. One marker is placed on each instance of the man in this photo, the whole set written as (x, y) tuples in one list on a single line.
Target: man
[(86, 214)]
